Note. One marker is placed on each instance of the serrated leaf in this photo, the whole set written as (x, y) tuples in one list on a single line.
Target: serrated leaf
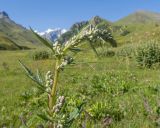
[(39, 77), (76, 112), (31, 75)]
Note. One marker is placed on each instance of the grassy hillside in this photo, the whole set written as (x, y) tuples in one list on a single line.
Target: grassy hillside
[(14, 36), (138, 27), (137, 33), (140, 17)]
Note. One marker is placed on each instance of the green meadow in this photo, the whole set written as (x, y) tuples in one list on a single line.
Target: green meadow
[(113, 87)]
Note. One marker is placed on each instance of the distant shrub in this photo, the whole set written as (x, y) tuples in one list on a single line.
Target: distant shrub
[(148, 54), (40, 55), (5, 66), (126, 51), (156, 25), (124, 32)]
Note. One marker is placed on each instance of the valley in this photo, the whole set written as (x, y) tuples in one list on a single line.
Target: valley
[(116, 79)]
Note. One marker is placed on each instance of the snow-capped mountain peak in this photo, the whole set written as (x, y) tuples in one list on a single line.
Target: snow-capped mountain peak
[(52, 34), (51, 30)]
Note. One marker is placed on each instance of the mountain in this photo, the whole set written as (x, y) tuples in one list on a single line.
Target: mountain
[(138, 27), (52, 34), (142, 17), (77, 27), (14, 36), (100, 22)]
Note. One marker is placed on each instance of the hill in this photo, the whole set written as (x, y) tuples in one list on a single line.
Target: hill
[(77, 27), (138, 27), (14, 36), (140, 17)]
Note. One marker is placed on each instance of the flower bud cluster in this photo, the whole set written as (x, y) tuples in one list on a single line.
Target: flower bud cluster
[(93, 34), (66, 60), (49, 81), (57, 48), (59, 104), (90, 33), (96, 34)]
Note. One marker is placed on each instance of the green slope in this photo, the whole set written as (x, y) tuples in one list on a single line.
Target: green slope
[(139, 27), (140, 17), (14, 36)]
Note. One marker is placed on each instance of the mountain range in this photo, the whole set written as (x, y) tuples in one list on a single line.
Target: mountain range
[(14, 36), (137, 23), (52, 34)]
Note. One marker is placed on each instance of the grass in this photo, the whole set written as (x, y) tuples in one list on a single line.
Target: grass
[(114, 73)]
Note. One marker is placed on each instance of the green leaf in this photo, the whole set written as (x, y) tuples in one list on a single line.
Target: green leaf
[(39, 77), (93, 48), (31, 75), (76, 112), (27, 70), (75, 49), (44, 41)]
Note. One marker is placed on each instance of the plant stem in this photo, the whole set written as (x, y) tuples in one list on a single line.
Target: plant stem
[(54, 87)]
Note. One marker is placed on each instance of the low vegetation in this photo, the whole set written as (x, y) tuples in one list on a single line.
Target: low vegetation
[(40, 55), (127, 92), (148, 54)]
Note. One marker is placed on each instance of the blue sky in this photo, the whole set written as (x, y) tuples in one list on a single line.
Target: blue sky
[(43, 14)]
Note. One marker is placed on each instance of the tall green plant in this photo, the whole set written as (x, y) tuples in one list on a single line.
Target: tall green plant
[(90, 34)]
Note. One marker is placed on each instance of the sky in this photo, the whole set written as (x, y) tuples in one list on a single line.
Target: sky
[(44, 14)]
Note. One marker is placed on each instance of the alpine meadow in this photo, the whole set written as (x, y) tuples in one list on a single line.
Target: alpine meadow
[(96, 74)]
